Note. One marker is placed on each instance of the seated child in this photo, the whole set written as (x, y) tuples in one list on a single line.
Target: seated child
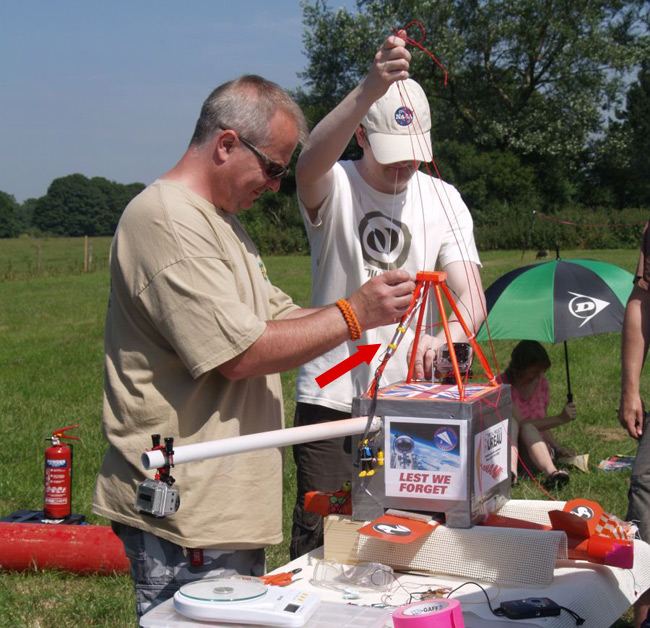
[(531, 429)]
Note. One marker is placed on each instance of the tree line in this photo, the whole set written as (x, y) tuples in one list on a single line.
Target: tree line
[(537, 106), (73, 206)]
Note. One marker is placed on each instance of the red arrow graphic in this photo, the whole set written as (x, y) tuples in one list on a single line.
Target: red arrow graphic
[(365, 353)]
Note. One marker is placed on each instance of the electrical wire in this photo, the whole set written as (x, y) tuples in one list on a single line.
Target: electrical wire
[(499, 612)]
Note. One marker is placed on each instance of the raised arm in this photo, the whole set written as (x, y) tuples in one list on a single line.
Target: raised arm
[(331, 135)]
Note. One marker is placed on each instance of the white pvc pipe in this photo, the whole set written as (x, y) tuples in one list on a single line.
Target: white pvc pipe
[(263, 440)]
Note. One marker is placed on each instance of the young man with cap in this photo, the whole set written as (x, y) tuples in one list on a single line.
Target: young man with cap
[(362, 218)]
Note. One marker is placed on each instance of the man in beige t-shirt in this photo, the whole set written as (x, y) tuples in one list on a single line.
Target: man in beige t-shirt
[(195, 338)]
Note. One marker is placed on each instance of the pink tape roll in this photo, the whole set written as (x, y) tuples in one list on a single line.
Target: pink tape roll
[(429, 613)]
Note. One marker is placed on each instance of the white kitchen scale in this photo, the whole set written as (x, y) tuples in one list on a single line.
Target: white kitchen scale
[(245, 600)]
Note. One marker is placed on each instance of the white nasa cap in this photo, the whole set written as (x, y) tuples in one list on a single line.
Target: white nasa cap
[(398, 125)]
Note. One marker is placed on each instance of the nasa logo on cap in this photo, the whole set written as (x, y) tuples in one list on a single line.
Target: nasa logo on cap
[(404, 116)]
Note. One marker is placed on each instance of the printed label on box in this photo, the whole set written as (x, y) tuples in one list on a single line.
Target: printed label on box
[(426, 458), (491, 455)]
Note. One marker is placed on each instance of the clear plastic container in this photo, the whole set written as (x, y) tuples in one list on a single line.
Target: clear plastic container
[(333, 575)]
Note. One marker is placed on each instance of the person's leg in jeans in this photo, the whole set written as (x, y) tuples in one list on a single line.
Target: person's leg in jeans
[(159, 568), (320, 466), (638, 509)]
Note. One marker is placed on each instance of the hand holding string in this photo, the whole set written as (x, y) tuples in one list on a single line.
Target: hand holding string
[(391, 64)]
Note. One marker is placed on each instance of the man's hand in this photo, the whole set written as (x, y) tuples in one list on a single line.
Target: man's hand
[(383, 300), (391, 64), (425, 356), (630, 415)]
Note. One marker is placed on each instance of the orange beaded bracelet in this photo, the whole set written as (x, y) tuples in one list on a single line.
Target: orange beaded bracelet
[(350, 319)]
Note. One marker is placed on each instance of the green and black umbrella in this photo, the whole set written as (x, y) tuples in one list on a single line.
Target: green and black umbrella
[(558, 300)]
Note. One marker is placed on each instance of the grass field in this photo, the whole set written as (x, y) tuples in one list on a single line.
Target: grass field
[(51, 363)]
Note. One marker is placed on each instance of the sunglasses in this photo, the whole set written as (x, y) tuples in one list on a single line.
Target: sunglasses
[(272, 169)]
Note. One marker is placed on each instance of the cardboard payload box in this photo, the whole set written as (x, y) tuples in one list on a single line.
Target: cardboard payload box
[(441, 454)]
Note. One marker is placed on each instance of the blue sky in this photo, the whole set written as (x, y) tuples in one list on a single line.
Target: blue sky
[(113, 88)]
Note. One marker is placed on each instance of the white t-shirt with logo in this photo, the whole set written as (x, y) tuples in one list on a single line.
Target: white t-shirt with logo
[(360, 233)]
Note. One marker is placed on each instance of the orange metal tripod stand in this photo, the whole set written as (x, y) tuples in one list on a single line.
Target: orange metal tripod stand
[(424, 281)]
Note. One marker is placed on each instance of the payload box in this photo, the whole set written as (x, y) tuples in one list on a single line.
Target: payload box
[(442, 455)]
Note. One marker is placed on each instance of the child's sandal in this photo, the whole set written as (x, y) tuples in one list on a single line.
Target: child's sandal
[(557, 479)]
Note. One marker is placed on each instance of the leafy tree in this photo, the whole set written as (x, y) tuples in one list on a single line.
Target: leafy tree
[(619, 162), (8, 208), (117, 197), (73, 206), (526, 76), (490, 179), (275, 225), (76, 206), (605, 177), (637, 124), (24, 215)]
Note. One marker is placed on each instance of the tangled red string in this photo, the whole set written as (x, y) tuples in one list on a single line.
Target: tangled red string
[(418, 43)]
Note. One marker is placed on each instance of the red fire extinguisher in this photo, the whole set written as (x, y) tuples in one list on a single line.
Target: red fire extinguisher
[(57, 503)]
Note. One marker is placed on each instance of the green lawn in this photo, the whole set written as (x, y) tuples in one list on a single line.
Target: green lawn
[(51, 361)]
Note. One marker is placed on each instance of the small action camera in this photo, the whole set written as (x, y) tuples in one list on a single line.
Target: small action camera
[(156, 498)]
